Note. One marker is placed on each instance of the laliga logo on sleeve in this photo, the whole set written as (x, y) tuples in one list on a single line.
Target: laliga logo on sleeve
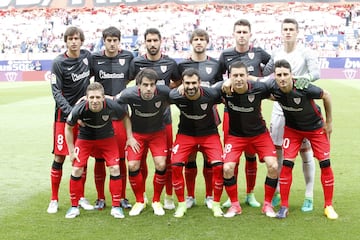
[(350, 73)]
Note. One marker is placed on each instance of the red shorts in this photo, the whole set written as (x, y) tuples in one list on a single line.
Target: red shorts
[(294, 138), (262, 144), (249, 149), (59, 143), (184, 145), (156, 142), (105, 148)]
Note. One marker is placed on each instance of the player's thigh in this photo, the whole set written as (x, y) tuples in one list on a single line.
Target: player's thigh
[(277, 125)]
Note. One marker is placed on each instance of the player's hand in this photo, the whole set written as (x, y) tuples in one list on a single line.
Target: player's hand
[(81, 123), (328, 129), (74, 157), (181, 90), (227, 87), (301, 83), (135, 145)]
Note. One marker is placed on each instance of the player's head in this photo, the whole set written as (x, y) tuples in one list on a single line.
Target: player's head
[(242, 23), (146, 81), (289, 30), (283, 75), (111, 37), (152, 39), (242, 32), (199, 39), (199, 33), (238, 75), (191, 82), (95, 95), (111, 32), (74, 31)]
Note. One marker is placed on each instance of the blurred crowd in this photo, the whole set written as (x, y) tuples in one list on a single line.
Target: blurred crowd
[(40, 31)]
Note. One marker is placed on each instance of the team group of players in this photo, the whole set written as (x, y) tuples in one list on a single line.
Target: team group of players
[(100, 124)]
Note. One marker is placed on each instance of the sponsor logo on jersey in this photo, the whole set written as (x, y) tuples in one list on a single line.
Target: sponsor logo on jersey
[(251, 97), (105, 117), (251, 55), (163, 68), (297, 100)]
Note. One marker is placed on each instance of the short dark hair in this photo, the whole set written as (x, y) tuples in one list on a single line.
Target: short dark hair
[(282, 63), (242, 22), (152, 31), (149, 73), (238, 64), (199, 32), (71, 31), (190, 72), (290, 20), (95, 86), (111, 32)]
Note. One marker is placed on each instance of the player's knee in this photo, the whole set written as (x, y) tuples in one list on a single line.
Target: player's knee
[(133, 166), (228, 170), (77, 172), (114, 170)]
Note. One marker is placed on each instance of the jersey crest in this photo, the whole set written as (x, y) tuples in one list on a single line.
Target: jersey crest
[(208, 70), (85, 61), (251, 97), (158, 104), (105, 117), (251, 55), (122, 61), (204, 106), (163, 68), (297, 100)]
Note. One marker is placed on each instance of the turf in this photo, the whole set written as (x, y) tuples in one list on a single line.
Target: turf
[(26, 141)]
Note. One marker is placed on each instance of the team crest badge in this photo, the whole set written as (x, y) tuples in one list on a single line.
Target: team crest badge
[(251, 98), (297, 100), (204, 106), (208, 70), (85, 60), (158, 104), (163, 68), (60, 147), (122, 62), (251, 55), (105, 117)]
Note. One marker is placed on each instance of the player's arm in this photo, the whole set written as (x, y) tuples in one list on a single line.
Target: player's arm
[(326, 97), (69, 136), (313, 73), (56, 88), (130, 140)]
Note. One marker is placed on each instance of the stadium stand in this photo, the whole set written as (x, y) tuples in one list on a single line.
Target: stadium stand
[(331, 28)]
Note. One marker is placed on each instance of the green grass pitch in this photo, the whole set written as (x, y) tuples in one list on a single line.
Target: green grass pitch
[(26, 117)]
